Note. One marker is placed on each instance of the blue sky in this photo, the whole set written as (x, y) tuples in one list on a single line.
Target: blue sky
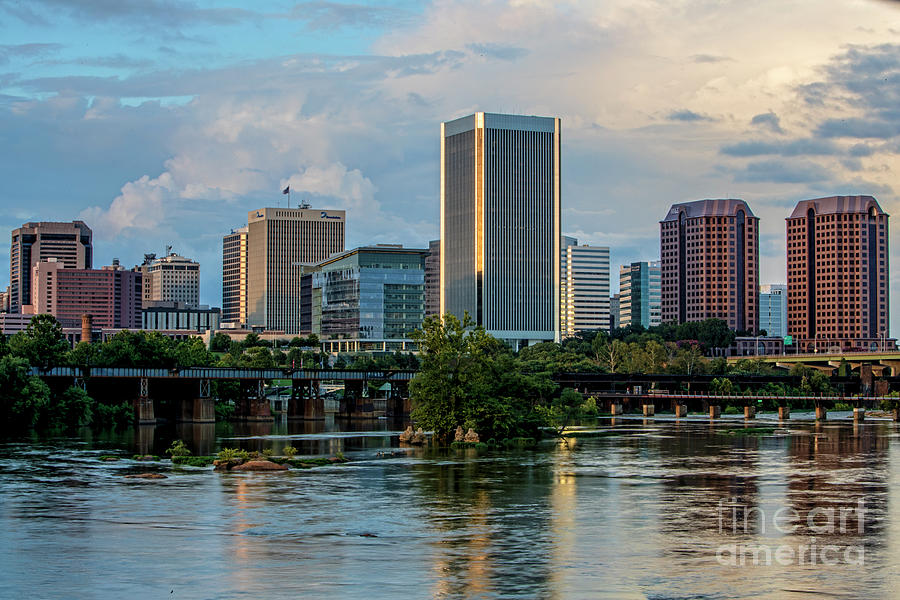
[(163, 122)]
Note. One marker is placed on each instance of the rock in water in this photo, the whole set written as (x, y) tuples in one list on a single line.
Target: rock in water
[(407, 435), (460, 436), (259, 465), (419, 437), (471, 436), (146, 476)]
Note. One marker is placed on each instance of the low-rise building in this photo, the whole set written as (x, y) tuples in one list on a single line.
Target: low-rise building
[(177, 316)]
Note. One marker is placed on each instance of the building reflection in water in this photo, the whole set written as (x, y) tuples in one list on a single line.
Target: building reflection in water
[(491, 518)]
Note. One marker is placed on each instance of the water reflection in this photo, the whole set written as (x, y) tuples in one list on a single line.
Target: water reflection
[(651, 509)]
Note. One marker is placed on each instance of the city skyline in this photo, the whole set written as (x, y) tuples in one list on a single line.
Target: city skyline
[(189, 117)]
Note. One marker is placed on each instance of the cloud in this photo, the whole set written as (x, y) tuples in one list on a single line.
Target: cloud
[(498, 51), (133, 13), (708, 58), (768, 121), (337, 15), (801, 147), (864, 128), (33, 50), (687, 116), (783, 171)]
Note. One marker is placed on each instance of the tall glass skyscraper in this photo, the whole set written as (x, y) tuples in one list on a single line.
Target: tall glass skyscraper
[(500, 224)]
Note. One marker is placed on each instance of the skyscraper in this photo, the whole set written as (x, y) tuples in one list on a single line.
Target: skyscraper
[(585, 281), (773, 309), (234, 277), (640, 294), (69, 243), (280, 241), (174, 278), (709, 252), (837, 273), (500, 224)]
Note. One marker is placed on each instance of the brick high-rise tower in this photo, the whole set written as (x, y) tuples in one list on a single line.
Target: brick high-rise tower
[(709, 255), (837, 273)]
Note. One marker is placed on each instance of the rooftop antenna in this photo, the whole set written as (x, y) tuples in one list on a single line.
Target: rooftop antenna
[(304, 204), (168, 250)]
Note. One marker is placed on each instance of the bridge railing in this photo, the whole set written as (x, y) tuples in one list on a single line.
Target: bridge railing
[(225, 373)]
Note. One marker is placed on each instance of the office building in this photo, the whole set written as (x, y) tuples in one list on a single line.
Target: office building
[(709, 259), (69, 243), (111, 295), (369, 299), (178, 316), (174, 278), (773, 309), (837, 274), (585, 283), (234, 277), (433, 279), (640, 294), (500, 224), (263, 266), (614, 313)]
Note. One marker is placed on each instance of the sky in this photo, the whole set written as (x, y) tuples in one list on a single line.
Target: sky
[(162, 122)]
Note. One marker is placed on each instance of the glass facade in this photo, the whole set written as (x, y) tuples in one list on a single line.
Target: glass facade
[(773, 309), (370, 294)]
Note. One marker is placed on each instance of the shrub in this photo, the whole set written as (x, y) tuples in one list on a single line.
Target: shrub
[(230, 454), (733, 410), (178, 448), (289, 451)]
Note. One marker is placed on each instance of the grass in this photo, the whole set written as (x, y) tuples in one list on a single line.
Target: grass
[(193, 461)]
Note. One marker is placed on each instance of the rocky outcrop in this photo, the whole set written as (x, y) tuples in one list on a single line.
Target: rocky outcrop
[(407, 436), (471, 436), (460, 435), (419, 438), (259, 465)]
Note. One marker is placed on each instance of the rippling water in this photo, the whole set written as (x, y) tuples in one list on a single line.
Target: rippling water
[(651, 510)]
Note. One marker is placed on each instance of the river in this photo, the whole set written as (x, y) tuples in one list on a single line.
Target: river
[(653, 509)]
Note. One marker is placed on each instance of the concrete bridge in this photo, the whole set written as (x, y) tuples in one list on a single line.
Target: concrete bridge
[(187, 394), (681, 403), (882, 363)]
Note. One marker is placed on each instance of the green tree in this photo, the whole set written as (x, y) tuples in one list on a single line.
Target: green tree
[(220, 342), (610, 354), (257, 357), (193, 353), (83, 355), (42, 344), (563, 410), (24, 399), (252, 340), (72, 408)]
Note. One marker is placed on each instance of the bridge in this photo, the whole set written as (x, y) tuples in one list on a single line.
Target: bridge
[(187, 394), (882, 363)]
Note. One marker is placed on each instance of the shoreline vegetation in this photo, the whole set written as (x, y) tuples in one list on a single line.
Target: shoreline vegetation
[(465, 378)]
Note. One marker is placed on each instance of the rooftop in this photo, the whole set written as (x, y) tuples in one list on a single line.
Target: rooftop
[(721, 207), (833, 205)]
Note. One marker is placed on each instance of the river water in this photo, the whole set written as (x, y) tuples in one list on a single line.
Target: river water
[(653, 509)]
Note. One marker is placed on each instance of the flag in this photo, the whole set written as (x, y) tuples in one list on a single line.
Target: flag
[(286, 190)]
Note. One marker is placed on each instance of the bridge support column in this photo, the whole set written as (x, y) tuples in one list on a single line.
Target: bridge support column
[(681, 410), (143, 404), (821, 413), (314, 409), (859, 414), (715, 411), (204, 406), (784, 413), (649, 410), (254, 405), (615, 408), (749, 412)]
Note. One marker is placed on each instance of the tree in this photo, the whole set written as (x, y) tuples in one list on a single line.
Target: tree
[(468, 378), (72, 408), (609, 353), (83, 355), (563, 410), (24, 399), (42, 344), (221, 342), (252, 340), (257, 358), (193, 353)]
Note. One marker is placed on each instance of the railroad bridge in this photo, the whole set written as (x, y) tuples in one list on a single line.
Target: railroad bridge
[(186, 395)]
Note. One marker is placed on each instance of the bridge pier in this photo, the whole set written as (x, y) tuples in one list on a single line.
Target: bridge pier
[(200, 409), (749, 412), (859, 413), (306, 402), (143, 404), (681, 410), (253, 405), (715, 411), (615, 408), (784, 413), (649, 410), (821, 413)]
